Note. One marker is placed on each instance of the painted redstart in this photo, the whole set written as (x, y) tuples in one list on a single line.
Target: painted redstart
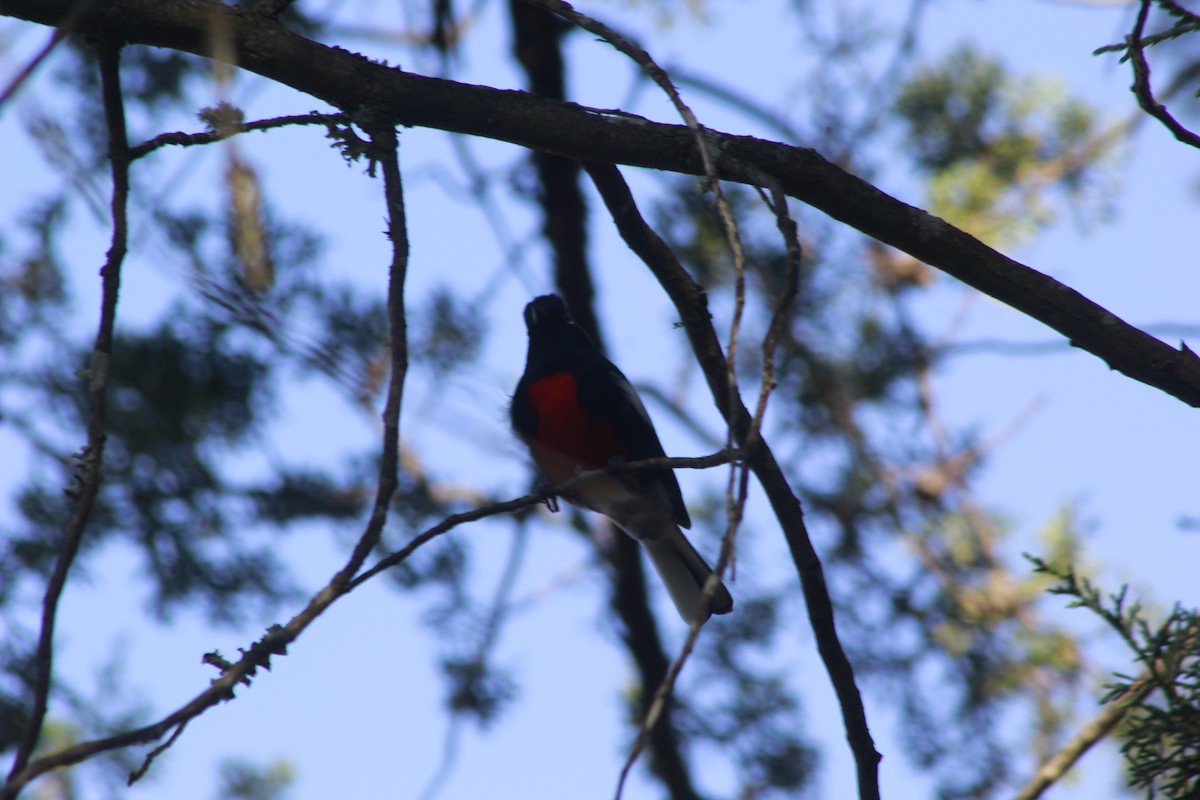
[(576, 412)]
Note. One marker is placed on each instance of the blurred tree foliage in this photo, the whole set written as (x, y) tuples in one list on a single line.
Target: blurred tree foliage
[(995, 146), (934, 608), (241, 780)]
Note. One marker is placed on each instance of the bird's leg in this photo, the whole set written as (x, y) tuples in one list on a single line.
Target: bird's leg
[(544, 489)]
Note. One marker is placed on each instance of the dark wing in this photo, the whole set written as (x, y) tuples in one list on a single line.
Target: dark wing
[(521, 412), (615, 398)]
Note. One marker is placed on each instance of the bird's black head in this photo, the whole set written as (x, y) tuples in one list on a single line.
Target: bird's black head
[(553, 334), (547, 313)]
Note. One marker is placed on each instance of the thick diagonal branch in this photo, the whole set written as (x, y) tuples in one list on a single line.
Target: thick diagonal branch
[(352, 82)]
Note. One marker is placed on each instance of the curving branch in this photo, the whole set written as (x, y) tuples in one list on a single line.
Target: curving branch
[(278, 637), (617, 196), (537, 44), (692, 304), (86, 484), (1141, 80), (352, 82), (275, 642)]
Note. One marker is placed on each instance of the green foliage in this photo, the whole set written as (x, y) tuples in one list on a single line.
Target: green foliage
[(1160, 736), (994, 146)]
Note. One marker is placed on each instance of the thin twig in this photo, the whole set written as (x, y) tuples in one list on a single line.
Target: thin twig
[(386, 146), (138, 773), (86, 484), (509, 506), (666, 686), (699, 134), (1141, 81), (277, 640), (736, 99), (787, 294), (738, 485), (209, 137), (643, 60), (60, 32), (738, 475), (690, 301)]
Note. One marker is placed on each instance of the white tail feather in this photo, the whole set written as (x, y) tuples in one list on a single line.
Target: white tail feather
[(684, 573)]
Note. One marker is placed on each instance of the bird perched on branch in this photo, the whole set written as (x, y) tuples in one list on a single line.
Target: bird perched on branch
[(576, 412)]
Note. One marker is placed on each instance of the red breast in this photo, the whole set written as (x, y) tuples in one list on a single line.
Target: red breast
[(564, 426)]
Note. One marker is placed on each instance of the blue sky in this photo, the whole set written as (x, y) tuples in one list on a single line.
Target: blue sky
[(356, 706)]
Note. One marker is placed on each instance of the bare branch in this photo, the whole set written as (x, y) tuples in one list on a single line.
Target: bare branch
[(509, 506), (65, 27), (703, 146), (662, 692), (787, 294), (351, 81), (209, 137), (386, 149), (140, 772), (643, 60), (86, 485), (279, 637), (1141, 80), (690, 301), (736, 492), (1091, 733), (738, 475)]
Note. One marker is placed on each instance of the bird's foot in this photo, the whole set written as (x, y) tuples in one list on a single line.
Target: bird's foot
[(544, 489)]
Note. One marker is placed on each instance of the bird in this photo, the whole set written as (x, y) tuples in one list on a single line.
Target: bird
[(577, 412)]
